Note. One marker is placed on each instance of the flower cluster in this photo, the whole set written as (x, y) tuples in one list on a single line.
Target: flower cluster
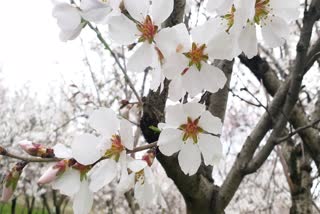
[(243, 19), (183, 57), (94, 160)]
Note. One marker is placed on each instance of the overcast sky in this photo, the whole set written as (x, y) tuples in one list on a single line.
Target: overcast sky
[(30, 49)]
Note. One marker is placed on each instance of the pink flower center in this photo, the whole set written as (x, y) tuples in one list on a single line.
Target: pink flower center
[(191, 130), (196, 55), (230, 18), (148, 30), (116, 148), (262, 10)]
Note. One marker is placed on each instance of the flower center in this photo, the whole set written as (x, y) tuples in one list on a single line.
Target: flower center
[(191, 130), (139, 176), (230, 18), (116, 148), (82, 169), (196, 55), (262, 10), (148, 30)]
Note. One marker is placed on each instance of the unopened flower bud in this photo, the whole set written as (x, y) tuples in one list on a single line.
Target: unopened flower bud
[(53, 172), (36, 149), (11, 180), (7, 192)]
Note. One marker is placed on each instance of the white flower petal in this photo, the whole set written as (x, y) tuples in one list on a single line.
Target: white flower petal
[(222, 7), (68, 17), (245, 9), (223, 45), (83, 200), (175, 115), (157, 78), (68, 183), (192, 81), (248, 41), (274, 32), (102, 174), (210, 123), (160, 10), (173, 39), (98, 16), (85, 149), (144, 193), (194, 110), (175, 65), (176, 90), (61, 151), (66, 35), (203, 33), (138, 9), (286, 9), (137, 165), (144, 56), (170, 141), (211, 148), (122, 30), (213, 78), (126, 183), (126, 134), (105, 121), (189, 158)]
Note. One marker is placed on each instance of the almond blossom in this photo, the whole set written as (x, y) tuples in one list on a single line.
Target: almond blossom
[(271, 18), (71, 19), (70, 178), (142, 180), (186, 62), (143, 28), (106, 152), (191, 131)]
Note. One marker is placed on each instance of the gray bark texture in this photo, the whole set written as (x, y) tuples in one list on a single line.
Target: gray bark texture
[(199, 191)]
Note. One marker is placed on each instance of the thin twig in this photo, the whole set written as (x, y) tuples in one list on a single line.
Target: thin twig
[(141, 148), (4, 152), (311, 125), (113, 54)]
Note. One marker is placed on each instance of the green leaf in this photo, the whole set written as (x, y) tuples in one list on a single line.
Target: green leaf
[(155, 129)]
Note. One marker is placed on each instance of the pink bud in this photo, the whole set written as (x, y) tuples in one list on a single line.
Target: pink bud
[(49, 176), (53, 172), (36, 149), (28, 147), (7, 192)]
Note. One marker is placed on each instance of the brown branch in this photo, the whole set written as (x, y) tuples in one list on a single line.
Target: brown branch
[(141, 148), (311, 125), (287, 102), (4, 152)]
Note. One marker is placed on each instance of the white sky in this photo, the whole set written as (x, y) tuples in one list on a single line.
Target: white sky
[(30, 49)]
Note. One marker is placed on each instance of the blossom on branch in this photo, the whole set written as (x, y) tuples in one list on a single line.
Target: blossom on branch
[(244, 18), (138, 175), (143, 27), (186, 62), (191, 130), (71, 19), (108, 150)]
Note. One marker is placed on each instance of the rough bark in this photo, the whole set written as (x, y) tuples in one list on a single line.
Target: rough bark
[(199, 191)]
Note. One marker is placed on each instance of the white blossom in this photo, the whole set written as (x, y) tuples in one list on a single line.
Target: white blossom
[(186, 62), (147, 18), (191, 131), (115, 137)]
